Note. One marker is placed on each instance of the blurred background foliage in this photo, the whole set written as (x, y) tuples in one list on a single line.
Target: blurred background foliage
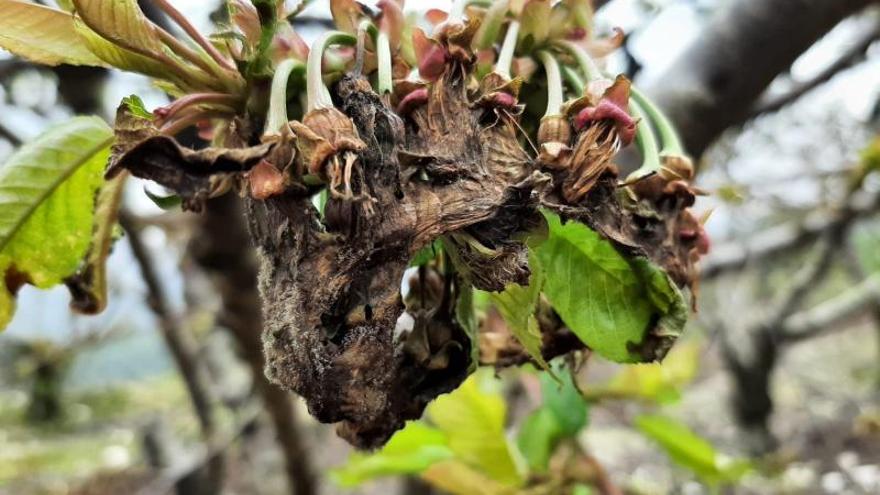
[(774, 388)]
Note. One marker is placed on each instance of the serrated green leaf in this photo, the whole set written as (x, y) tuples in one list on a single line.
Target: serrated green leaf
[(411, 450), (518, 304), (472, 417), (691, 451), (612, 304), (136, 107), (42, 34), (121, 22), (47, 191), (118, 56)]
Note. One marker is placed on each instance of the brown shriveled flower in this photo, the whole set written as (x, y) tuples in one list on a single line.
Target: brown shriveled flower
[(325, 137), (265, 180), (602, 127)]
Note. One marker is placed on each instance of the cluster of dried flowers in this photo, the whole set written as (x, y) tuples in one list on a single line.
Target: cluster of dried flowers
[(420, 137)]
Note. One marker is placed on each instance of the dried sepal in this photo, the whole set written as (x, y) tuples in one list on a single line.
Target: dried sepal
[(265, 180), (346, 15), (431, 56), (323, 133), (391, 21), (554, 129), (590, 161)]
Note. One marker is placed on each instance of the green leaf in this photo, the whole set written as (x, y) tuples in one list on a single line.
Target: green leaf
[(691, 451), (136, 107), (427, 253), (472, 417), (118, 56), (653, 382), (466, 315), (169, 202), (612, 304), (518, 304), (121, 22), (457, 478), (535, 21), (411, 450), (564, 400), (88, 285), (538, 437), (47, 191), (42, 34), (563, 414)]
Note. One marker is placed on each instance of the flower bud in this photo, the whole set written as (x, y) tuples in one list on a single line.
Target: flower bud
[(323, 133), (554, 129)]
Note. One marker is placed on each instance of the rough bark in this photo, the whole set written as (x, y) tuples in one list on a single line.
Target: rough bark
[(713, 85), (221, 246)]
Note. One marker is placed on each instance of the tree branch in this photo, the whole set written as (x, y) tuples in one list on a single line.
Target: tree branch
[(714, 83), (822, 318), (182, 347), (781, 239), (848, 59), (221, 246)]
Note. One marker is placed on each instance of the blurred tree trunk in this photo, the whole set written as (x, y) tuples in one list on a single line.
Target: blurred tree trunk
[(184, 351), (222, 247), (714, 84)]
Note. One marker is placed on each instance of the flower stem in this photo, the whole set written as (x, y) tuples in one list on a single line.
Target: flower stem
[(194, 33), (505, 57), (187, 119), (192, 56), (554, 83), (318, 95), (585, 62), (491, 26), (383, 54), (278, 97), (221, 100), (646, 143), (670, 143), (457, 10), (573, 79)]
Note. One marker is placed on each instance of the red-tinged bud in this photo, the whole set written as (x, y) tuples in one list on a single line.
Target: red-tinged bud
[(577, 34), (431, 55), (436, 16), (392, 21), (504, 100), (265, 180), (612, 106), (412, 100), (205, 129), (704, 244)]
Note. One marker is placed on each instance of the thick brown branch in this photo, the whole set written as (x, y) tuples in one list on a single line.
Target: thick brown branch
[(732, 256), (849, 58), (220, 245), (714, 84), (827, 316)]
